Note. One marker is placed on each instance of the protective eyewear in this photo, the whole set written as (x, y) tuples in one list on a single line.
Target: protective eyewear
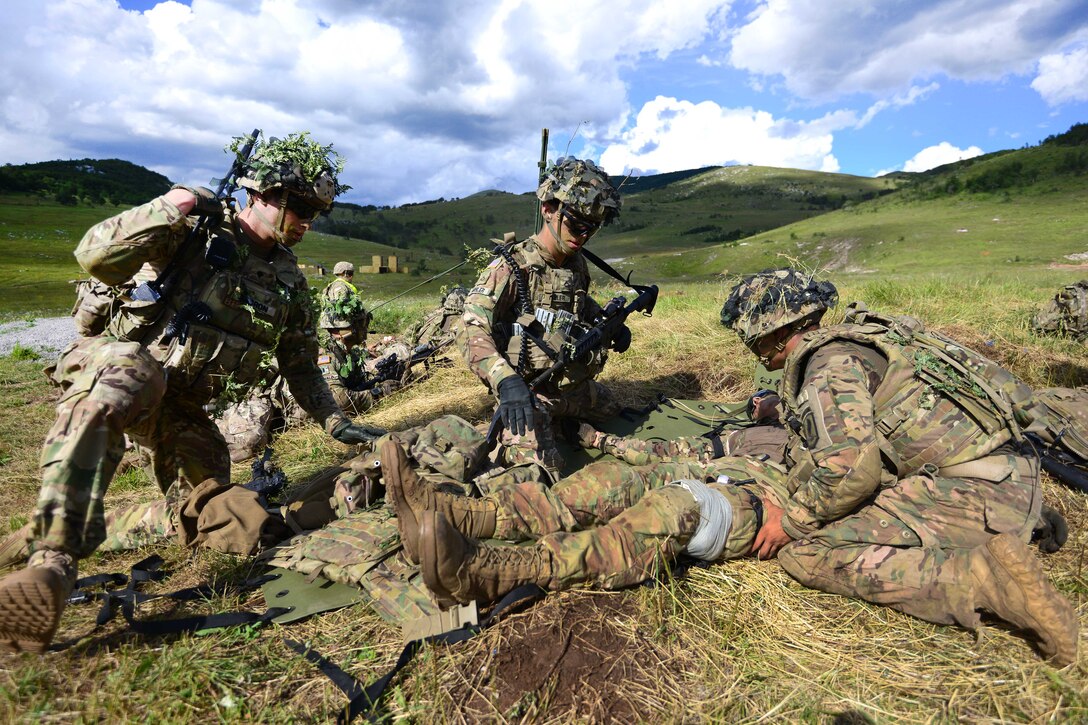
[(579, 227), (298, 206)]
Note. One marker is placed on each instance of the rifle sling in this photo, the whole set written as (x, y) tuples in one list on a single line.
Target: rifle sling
[(605, 266), (367, 700)]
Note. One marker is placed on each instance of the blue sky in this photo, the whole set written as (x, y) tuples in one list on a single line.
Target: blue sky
[(447, 97)]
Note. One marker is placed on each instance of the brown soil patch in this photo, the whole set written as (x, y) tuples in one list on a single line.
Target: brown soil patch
[(580, 655)]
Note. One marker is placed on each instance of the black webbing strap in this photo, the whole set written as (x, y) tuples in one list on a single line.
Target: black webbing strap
[(129, 596), (366, 700), (606, 267)]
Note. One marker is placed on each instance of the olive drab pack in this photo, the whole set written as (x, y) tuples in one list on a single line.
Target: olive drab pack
[(1066, 314), (931, 383)]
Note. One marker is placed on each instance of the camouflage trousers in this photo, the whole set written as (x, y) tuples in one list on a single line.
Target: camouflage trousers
[(759, 441), (908, 549), (614, 525), (588, 400), (110, 388)]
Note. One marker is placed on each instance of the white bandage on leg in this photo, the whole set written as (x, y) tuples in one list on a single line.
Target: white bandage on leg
[(715, 520)]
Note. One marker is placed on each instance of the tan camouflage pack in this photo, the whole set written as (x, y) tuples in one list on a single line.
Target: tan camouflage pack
[(1066, 314), (1062, 419)]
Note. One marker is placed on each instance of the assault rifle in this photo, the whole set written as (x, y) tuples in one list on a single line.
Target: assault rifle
[(154, 290), (608, 322), (393, 368), (1060, 464)]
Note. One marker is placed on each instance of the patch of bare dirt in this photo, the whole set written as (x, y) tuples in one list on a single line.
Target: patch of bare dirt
[(580, 655)]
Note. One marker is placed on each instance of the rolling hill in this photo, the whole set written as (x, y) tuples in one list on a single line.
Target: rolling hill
[(1019, 210)]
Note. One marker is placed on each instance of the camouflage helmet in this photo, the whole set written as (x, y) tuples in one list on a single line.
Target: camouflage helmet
[(773, 299), (343, 268), (454, 300), (298, 164), (582, 187)]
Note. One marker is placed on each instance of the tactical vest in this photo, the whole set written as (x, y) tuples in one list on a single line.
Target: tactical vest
[(338, 365), (939, 402), (250, 301), (557, 298), (1066, 314)]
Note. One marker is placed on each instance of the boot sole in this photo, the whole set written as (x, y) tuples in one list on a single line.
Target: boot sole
[(1058, 621), (29, 615)]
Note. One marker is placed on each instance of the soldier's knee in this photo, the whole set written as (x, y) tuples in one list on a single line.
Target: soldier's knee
[(803, 560)]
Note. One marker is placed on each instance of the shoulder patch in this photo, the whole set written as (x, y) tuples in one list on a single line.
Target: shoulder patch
[(324, 359), (495, 263)]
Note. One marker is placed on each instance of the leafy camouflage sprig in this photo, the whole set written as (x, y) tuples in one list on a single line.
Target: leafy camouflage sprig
[(279, 155)]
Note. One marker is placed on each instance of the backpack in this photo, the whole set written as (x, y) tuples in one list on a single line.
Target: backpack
[(1066, 314)]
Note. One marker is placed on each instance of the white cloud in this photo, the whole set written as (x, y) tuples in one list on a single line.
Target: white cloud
[(1063, 77), (423, 99), (933, 156), (669, 134), (826, 50)]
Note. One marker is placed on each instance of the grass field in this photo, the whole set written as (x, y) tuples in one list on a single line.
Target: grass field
[(738, 642)]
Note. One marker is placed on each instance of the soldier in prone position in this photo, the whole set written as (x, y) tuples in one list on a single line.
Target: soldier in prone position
[(539, 289), (898, 494), (236, 294)]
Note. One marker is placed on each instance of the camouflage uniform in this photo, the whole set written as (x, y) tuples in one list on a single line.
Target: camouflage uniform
[(136, 379), (1066, 314), (908, 489), (492, 344), (761, 441), (531, 301), (612, 524), (439, 327)]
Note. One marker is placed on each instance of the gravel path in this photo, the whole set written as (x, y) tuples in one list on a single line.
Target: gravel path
[(47, 335)]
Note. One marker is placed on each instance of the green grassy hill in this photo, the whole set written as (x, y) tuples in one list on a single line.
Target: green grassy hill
[(1021, 211), (87, 181)]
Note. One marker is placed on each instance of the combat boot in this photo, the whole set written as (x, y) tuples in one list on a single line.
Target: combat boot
[(1009, 582), (461, 570), (410, 496), (32, 601), (15, 547)]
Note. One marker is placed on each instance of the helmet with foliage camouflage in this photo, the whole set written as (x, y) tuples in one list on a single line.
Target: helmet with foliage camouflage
[(454, 300), (775, 298), (297, 164), (583, 187)]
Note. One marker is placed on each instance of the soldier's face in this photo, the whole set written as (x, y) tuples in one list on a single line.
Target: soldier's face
[(770, 350), (575, 231)]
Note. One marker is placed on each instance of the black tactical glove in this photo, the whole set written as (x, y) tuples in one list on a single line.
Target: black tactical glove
[(1052, 530), (515, 405), (351, 433), (621, 339), (207, 203)]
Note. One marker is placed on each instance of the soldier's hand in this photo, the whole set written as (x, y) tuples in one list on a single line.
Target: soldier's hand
[(621, 339), (515, 405), (771, 536), (206, 202), (352, 433)]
